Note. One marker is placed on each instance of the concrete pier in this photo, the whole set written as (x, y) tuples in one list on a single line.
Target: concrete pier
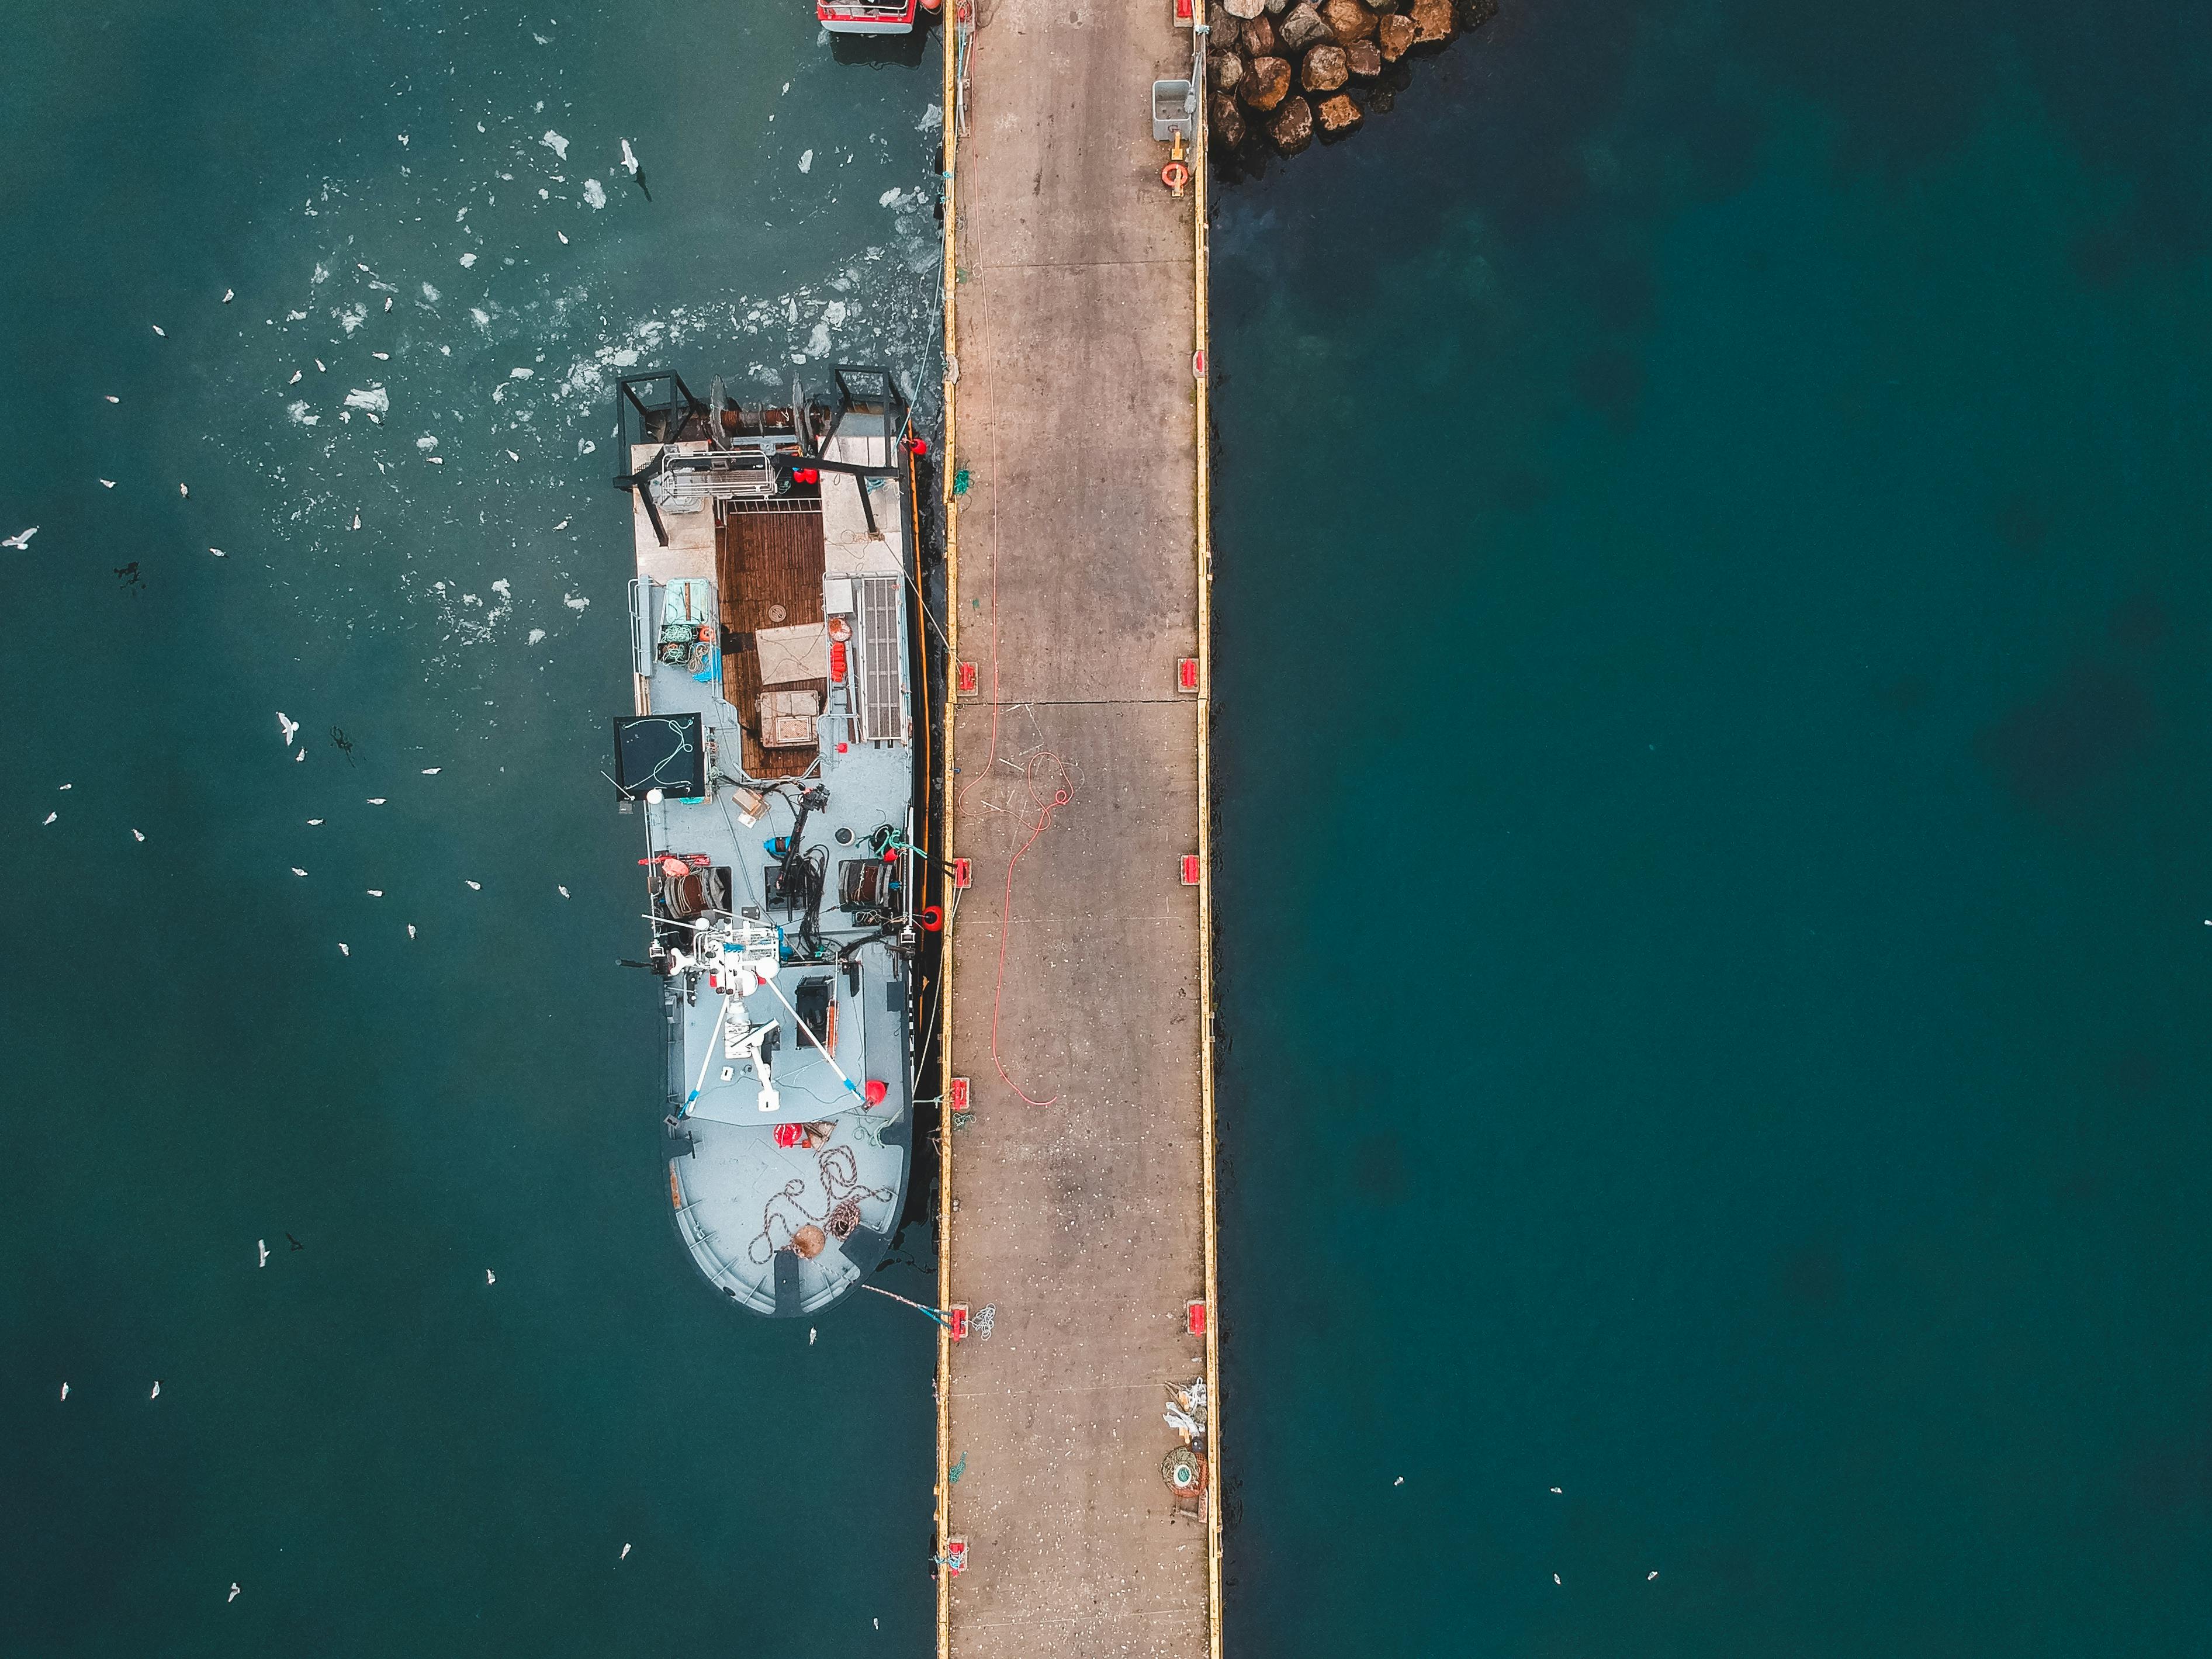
[(1080, 1217)]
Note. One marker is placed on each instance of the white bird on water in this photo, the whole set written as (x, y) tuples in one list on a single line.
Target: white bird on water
[(297, 870), (356, 521), (563, 525), (156, 1395), (1557, 1492), (228, 294), (432, 771), (218, 552), (64, 1390), (1556, 1579), (302, 754), (51, 817), (262, 1245), (345, 950), (563, 891), (376, 800), (1648, 1576), (107, 483), (233, 1595), (410, 930), (314, 821), (295, 380), (112, 398), (490, 1278), (473, 886), (1400, 1481), (624, 1556), (159, 330), (376, 892), (288, 725), (20, 541), (140, 833), (184, 490), (809, 1336)]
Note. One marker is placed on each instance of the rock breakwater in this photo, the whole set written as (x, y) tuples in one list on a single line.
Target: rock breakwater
[(1282, 73)]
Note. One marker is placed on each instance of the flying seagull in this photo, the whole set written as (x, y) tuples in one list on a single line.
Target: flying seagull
[(262, 1245), (20, 541), (288, 725)]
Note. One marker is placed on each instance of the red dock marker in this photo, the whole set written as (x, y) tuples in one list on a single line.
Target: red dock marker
[(955, 1096), (956, 1321), (964, 681), (961, 872), (1186, 674), (1194, 1317), (1190, 870)]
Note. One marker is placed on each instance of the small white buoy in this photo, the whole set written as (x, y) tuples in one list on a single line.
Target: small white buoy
[(140, 833), (473, 886), (156, 1395), (233, 1596), (490, 1278), (624, 1556)]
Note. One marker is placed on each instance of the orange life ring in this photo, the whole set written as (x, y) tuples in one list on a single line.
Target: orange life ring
[(932, 919), (1175, 175)]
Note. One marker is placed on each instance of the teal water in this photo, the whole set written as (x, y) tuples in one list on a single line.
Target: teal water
[(1717, 845), (386, 1452)]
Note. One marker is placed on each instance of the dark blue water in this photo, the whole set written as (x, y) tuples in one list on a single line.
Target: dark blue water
[(1717, 843), (386, 1452)]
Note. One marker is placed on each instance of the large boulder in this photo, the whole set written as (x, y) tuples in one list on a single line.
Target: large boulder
[(1241, 9), (1223, 30), (1292, 128), (1228, 120), (1337, 115), (1258, 36), (1267, 82), (1364, 59), (1381, 6), (1276, 7), (1302, 25), (1348, 20), (1433, 22), (1394, 35), (1227, 70), (1324, 70)]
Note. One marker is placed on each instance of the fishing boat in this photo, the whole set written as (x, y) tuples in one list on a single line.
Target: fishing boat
[(771, 757), (871, 16)]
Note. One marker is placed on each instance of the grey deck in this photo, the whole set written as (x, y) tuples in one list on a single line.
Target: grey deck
[(1081, 1224), (736, 1196)]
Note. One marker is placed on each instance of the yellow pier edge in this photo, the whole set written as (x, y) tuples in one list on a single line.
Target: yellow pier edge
[(950, 34)]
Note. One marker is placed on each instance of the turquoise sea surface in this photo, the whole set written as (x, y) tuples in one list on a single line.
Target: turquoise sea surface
[(387, 1454), (1715, 822)]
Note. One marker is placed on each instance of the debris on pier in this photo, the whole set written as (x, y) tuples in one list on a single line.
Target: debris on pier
[(1283, 72)]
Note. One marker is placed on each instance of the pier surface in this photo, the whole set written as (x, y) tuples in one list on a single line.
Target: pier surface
[(1082, 1222)]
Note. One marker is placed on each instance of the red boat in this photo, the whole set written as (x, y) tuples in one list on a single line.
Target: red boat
[(870, 16)]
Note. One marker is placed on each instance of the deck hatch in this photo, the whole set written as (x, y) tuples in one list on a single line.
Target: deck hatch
[(883, 700)]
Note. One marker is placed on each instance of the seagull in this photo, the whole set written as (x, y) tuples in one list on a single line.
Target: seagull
[(624, 1556), (141, 834), (288, 725), (1400, 1481), (233, 1596), (1648, 1576), (184, 490), (809, 1336), (319, 370), (156, 1395), (262, 1244), (376, 800), (382, 357), (64, 1390), (563, 891), (218, 552), (490, 1278), (432, 771), (20, 541), (630, 158), (437, 460), (1556, 1579), (295, 380), (314, 821), (228, 294), (387, 305), (512, 456), (345, 950), (376, 892), (474, 886), (107, 483), (410, 930), (564, 236), (356, 521), (302, 754), (112, 398), (159, 330), (297, 870), (51, 817), (1557, 1492)]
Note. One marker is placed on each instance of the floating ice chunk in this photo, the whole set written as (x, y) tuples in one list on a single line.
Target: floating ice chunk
[(299, 412), (573, 602), (595, 194), (350, 317), (932, 118), (403, 140), (431, 295), (467, 259), (520, 373), (889, 198), (806, 163), (536, 635), (426, 443), (554, 141), (501, 588)]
